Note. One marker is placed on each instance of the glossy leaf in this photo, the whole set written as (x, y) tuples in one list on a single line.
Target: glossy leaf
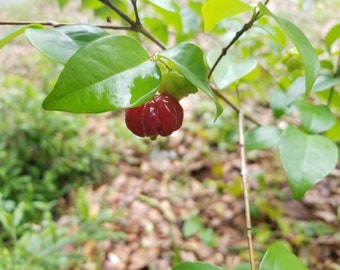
[(61, 43), (228, 70), (189, 60), (306, 159), (169, 5), (306, 50), (195, 266), (278, 257), (332, 36), (110, 73), (316, 118), (213, 11), (263, 137), (16, 31)]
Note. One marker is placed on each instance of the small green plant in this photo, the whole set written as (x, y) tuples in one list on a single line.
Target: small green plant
[(41, 155), (193, 226)]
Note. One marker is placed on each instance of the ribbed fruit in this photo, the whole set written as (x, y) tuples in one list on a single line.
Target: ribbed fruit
[(160, 116)]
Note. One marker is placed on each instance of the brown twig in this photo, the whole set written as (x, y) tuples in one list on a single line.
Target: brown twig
[(245, 28), (232, 105), (135, 9), (245, 190), (135, 25), (58, 24)]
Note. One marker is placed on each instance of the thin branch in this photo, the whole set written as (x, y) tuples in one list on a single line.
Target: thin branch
[(245, 28), (135, 25), (232, 105), (118, 11), (245, 190), (135, 9), (58, 24)]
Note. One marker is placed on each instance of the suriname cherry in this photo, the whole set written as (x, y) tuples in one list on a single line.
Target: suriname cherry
[(160, 116)]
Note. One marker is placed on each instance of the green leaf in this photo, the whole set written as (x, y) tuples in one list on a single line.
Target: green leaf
[(213, 11), (228, 70), (157, 28), (316, 118), (295, 90), (306, 50), (16, 31), (191, 226), (277, 101), (278, 257), (169, 5), (189, 60), (110, 73), (324, 82), (207, 235), (306, 159), (91, 4), (61, 43), (62, 3), (264, 137), (332, 36), (195, 266)]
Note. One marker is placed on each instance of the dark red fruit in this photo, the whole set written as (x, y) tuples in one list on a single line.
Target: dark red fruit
[(160, 116)]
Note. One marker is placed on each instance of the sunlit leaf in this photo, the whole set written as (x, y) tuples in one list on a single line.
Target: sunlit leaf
[(213, 11), (169, 5), (110, 73), (278, 257), (306, 159), (16, 31), (189, 59), (306, 50), (316, 118), (62, 3), (263, 137), (61, 43), (332, 36)]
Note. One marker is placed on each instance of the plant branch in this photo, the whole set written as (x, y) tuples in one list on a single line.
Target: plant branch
[(245, 28), (58, 24), (245, 190), (135, 25), (135, 9), (232, 105)]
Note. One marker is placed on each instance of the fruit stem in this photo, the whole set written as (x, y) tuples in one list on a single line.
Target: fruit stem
[(245, 190)]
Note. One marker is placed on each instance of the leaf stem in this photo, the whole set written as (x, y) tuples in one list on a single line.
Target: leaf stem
[(245, 189)]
